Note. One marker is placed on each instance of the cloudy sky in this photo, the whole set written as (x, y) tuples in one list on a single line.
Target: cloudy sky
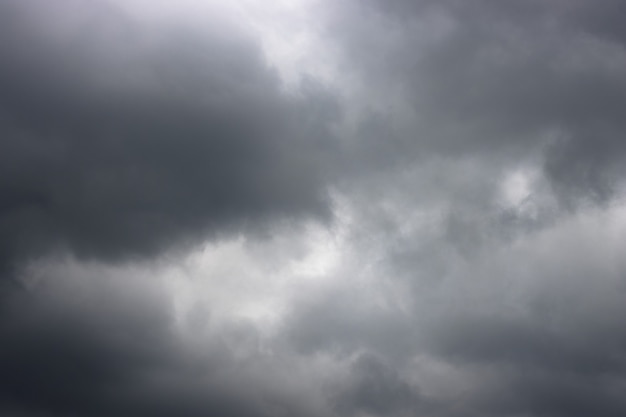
[(316, 208)]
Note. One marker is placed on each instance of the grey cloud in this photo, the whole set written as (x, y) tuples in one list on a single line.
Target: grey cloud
[(532, 326), (377, 388), (97, 345), (531, 392), (326, 323), (488, 88), (527, 344), (497, 79), (121, 140)]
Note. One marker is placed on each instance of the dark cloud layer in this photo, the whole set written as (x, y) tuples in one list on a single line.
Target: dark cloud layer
[(492, 78), (120, 140), (96, 345), (474, 266)]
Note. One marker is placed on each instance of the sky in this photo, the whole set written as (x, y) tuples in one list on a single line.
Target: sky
[(315, 208)]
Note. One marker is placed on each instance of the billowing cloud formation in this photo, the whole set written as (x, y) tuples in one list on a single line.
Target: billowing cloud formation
[(121, 139), (466, 158), (98, 345), (485, 78)]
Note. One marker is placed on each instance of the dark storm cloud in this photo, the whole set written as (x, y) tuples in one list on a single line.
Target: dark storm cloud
[(120, 139), (96, 345), (376, 388), (536, 369), (447, 289), (502, 78)]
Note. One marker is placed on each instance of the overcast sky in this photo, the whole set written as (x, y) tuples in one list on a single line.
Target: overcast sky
[(314, 208)]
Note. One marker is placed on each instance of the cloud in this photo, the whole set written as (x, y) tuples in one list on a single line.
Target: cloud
[(533, 327), (532, 80), (442, 218), (104, 342), (376, 388), (121, 139)]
